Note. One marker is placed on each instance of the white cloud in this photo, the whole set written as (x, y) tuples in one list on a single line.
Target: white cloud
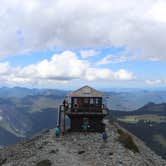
[(158, 11), (62, 68), (155, 82), (4, 68), (1, 118), (124, 75), (112, 59), (88, 53), (32, 25)]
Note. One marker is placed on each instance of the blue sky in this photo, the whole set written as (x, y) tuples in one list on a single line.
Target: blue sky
[(57, 44)]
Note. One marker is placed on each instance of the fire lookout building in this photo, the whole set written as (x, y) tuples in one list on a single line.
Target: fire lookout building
[(86, 107)]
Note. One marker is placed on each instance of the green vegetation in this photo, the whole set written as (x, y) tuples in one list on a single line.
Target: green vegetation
[(144, 117), (127, 141), (160, 139), (147, 123)]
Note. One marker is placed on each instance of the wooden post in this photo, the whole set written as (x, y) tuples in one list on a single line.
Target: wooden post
[(64, 121), (59, 118)]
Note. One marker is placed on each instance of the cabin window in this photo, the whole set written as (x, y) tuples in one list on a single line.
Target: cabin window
[(91, 100), (97, 101), (75, 100), (86, 101)]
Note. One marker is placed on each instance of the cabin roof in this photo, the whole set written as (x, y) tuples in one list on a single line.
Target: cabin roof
[(86, 91)]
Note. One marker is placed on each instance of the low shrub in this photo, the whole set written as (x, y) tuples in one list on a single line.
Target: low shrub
[(3, 161), (127, 141)]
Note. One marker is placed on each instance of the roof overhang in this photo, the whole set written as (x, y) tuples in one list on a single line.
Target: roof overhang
[(87, 91)]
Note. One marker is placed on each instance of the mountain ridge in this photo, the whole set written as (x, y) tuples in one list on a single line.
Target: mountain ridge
[(79, 149)]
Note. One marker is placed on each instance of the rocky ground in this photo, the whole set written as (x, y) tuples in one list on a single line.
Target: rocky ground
[(78, 149)]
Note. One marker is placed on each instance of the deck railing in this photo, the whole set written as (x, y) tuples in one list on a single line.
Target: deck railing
[(83, 110)]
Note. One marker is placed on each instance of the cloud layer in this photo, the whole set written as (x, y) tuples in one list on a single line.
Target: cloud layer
[(87, 28), (156, 82), (62, 68), (32, 25)]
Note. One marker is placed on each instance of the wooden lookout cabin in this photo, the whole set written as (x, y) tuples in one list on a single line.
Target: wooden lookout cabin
[(85, 107)]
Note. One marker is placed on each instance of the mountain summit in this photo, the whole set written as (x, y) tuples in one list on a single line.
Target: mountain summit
[(81, 149)]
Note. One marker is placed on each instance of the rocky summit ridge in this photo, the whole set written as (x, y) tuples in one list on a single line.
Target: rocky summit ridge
[(80, 149)]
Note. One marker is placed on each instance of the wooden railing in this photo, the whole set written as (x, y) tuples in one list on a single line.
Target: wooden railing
[(103, 112), (90, 109)]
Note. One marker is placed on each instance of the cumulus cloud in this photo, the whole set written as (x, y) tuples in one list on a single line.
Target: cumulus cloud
[(62, 68), (32, 25)]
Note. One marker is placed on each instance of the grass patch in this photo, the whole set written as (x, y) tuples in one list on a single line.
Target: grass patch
[(160, 139), (146, 118), (127, 141)]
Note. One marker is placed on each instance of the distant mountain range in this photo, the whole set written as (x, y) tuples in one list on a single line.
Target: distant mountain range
[(129, 101), (23, 111), (20, 92), (23, 115)]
